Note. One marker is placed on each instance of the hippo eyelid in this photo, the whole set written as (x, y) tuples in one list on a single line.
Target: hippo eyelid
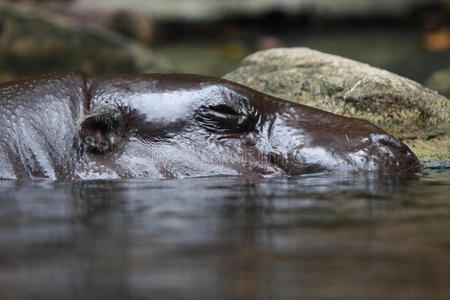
[(222, 118), (223, 108)]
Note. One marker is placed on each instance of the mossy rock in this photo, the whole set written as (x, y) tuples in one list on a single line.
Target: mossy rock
[(416, 115), (38, 42)]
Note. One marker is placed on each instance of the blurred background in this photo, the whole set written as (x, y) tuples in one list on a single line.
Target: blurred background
[(211, 37)]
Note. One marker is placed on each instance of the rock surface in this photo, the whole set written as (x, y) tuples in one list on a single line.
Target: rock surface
[(37, 42), (418, 116)]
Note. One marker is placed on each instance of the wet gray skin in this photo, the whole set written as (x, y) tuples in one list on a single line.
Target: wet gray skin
[(72, 126)]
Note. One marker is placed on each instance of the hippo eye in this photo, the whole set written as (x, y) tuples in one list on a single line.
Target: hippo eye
[(224, 109), (223, 118)]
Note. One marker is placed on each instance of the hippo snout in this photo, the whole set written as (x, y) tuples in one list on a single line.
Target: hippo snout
[(390, 153)]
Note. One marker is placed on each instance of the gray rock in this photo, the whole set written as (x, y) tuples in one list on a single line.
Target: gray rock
[(418, 116)]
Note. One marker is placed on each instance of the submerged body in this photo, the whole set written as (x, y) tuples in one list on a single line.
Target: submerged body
[(75, 126)]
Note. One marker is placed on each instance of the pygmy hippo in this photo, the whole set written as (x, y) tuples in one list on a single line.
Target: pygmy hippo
[(75, 126)]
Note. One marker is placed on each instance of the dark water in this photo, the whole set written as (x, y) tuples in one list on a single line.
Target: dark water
[(313, 237)]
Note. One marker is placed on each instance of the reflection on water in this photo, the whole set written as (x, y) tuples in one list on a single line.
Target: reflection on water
[(312, 237)]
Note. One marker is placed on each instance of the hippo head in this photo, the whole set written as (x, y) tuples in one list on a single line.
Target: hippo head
[(186, 125)]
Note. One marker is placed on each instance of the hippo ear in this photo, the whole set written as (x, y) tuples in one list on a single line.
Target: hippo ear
[(99, 134), (223, 118)]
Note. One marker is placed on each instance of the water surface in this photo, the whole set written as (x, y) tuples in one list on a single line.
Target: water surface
[(312, 237)]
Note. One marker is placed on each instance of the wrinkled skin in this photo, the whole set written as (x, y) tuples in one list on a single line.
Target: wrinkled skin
[(72, 126)]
